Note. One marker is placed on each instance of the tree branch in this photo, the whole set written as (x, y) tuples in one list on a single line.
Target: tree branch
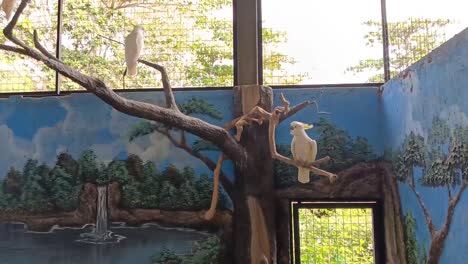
[(274, 154), (259, 115), (214, 198), (13, 49), (451, 210), (170, 101), (171, 117), (41, 48), (298, 108), (427, 216), (8, 30), (225, 182)]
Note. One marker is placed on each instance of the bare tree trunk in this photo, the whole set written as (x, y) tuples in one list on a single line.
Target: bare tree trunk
[(254, 179), (439, 236)]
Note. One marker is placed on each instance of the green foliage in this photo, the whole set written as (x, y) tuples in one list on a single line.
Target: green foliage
[(200, 106), (410, 40), (189, 38), (412, 155), (142, 129), (65, 189), (34, 197), (170, 190), (40, 189), (437, 138), (167, 256), (13, 183), (441, 168), (88, 167), (206, 251), (414, 254), (67, 163), (194, 106), (332, 141), (134, 166), (116, 171), (284, 175), (336, 235), (204, 145)]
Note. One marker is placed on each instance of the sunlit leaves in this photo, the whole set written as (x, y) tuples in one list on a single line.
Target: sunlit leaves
[(409, 41), (336, 235)]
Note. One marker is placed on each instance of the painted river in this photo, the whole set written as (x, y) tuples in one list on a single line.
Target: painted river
[(62, 246)]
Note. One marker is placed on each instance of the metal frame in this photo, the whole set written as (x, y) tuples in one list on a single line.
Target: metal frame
[(377, 220), (236, 31), (385, 41)]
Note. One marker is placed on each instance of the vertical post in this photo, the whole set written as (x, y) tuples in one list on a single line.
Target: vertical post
[(385, 42), (297, 242), (246, 42), (58, 48)]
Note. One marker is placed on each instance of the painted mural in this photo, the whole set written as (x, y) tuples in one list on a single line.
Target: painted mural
[(344, 129), (83, 183), (69, 164), (426, 138)]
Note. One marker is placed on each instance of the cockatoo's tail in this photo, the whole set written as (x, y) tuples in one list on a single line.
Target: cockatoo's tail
[(7, 7), (133, 45)]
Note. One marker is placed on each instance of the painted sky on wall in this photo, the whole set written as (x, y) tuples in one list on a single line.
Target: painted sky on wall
[(41, 128)]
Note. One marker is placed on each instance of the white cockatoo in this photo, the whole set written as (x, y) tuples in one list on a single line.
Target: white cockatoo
[(303, 148), (133, 47), (7, 7)]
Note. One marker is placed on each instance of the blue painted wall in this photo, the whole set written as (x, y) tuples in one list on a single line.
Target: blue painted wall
[(435, 89), (43, 128)]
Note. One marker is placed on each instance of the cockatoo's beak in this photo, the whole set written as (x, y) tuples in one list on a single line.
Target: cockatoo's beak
[(306, 126)]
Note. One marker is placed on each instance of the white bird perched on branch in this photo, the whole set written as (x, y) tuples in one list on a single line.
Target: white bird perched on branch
[(7, 7), (133, 47), (303, 148)]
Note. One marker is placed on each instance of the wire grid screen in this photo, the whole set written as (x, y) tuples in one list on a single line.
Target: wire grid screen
[(191, 39), (336, 235), (21, 74), (417, 27), (319, 42)]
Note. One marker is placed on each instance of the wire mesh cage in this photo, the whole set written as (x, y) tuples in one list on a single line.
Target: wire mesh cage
[(334, 235), (192, 39), (21, 74)]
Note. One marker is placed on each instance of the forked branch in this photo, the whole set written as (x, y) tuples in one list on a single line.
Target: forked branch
[(280, 113)]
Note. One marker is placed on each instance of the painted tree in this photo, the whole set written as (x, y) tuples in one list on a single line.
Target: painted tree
[(414, 254), (88, 167), (448, 170), (65, 191), (13, 183), (409, 41), (251, 150)]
